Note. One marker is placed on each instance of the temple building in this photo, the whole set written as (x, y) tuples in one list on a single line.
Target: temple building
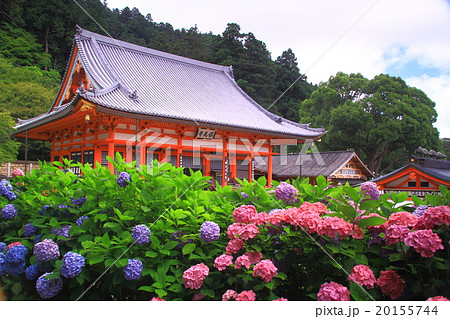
[(420, 176), (339, 167), (147, 104)]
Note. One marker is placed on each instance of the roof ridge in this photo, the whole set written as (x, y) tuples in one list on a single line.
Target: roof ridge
[(146, 50)]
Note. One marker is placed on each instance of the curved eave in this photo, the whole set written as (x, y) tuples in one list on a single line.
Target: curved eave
[(382, 180), (49, 117)]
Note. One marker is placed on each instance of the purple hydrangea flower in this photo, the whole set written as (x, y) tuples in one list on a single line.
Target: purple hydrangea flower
[(79, 201), (63, 231), (29, 230), (141, 234), (244, 195), (123, 179), (72, 265), (9, 211), (371, 189), (2, 246), (286, 192), (62, 206), (209, 232), (5, 186), (48, 288), (80, 220), (16, 254), (32, 272), (133, 270), (46, 250), (10, 195), (420, 210), (44, 209)]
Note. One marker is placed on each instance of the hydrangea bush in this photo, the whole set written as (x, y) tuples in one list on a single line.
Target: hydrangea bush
[(153, 233)]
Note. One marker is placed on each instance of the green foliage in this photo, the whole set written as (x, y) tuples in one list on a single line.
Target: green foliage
[(8, 147), (383, 119), (161, 197)]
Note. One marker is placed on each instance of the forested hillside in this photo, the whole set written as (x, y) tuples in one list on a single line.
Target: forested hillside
[(36, 38)]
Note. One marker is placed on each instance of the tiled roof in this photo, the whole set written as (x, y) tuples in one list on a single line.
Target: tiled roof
[(440, 173), (142, 81), (310, 164)]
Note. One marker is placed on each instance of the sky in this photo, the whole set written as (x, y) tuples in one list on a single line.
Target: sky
[(405, 38)]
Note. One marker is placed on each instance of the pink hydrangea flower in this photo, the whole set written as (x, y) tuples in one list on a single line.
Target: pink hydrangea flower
[(248, 231), (234, 246), (424, 241), (229, 294), (401, 218), (254, 256), (244, 214), (391, 284), (277, 217), (433, 216), (260, 219), (157, 299), (223, 261), (265, 269), (246, 295), (194, 276), (396, 233), (363, 275), (242, 261), (309, 222), (334, 226), (234, 229), (280, 299), (331, 291), (438, 298), (316, 208), (17, 172)]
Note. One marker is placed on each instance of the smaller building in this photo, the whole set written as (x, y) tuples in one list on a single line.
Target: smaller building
[(419, 177), (339, 167)]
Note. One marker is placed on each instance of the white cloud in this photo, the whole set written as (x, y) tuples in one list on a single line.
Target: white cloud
[(438, 90)]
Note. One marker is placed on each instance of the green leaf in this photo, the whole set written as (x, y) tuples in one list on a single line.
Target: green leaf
[(106, 241), (176, 288), (87, 244), (16, 288), (147, 288), (358, 293), (150, 254), (188, 248), (161, 293), (371, 221), (95, 258), (368, 204), (170, 245)]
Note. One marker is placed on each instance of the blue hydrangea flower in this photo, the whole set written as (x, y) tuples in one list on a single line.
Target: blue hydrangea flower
[(2, 246), (72, 265), (16, 254), (29, 230), (32, 272), (79, 201), (9, 211), (46, 250), (14, 269), (244, 195), (133, 270), (371, 189), (123, 179), (2, 264), (10, 195), (419, 211), (286, 192), (141, 234), (5, 186), (62, 206), (48, 288), (209, 232), (80, 220)]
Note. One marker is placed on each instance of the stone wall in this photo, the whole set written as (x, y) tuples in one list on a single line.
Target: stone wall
[(7, 168)]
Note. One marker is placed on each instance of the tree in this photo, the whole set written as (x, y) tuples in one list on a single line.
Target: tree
[(8, 147), (383, 119)]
